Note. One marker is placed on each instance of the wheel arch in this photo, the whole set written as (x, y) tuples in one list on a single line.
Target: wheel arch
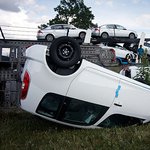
[(104, 32)]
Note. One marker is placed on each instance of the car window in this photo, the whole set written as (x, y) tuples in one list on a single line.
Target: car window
[(120, 27), (57, 27), (147, 44), (103, 27), (49, 105), (81, 112), (68, 27), (119, 47), (110, 26), (120, 120), (70, 110)]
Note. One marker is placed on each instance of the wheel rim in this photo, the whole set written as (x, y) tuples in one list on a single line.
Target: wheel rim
[(129, 57), (135, 48), (131, 36), (82, 35), (104, 36), (49, 38), (65, 51)]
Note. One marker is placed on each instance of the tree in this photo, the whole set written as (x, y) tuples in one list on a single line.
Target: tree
[(74, 12)]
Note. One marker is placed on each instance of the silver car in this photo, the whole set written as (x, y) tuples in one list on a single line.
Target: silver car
[(58, 30), (113, 30)]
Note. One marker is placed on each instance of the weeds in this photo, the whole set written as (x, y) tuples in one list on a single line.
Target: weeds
[(144, 71)]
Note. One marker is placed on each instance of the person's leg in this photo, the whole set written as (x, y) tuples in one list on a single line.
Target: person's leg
[(138, 59)]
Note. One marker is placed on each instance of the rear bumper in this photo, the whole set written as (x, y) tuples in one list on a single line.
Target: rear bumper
[(40, 37)]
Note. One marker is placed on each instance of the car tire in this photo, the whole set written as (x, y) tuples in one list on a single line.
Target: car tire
[(134, 48), (49, 37), (141, 80), (104, 35), (129, 58), (65, 52), (82, 35), (132, 36)]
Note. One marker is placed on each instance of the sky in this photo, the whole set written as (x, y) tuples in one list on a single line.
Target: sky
[(22, 15)]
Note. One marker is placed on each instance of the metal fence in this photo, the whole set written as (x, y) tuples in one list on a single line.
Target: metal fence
[(11, 64)]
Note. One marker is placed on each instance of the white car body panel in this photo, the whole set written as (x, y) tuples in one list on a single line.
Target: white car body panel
[(94, 81), (90, 83)]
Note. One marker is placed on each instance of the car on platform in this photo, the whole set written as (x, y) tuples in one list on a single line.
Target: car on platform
[(58, 30), (63, 88), (113, 30), (134, 46), (122, 54)]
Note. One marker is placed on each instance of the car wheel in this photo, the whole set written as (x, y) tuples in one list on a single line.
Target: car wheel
[(141, 80), (82, 35), (104, 35), (49, 37), (129, 57), (132, 36), (134, 49), (65, 52)]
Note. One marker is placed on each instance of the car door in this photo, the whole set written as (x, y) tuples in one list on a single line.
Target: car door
[(94, 86), (109, 29), (71, 30), (120, 31), (93, 92), (58, 31)]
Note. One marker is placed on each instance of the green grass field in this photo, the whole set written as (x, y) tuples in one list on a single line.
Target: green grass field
[(20, 130)]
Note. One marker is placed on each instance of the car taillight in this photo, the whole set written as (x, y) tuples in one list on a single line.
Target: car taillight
[(127, 68), (25, 85), (96, 29), (28, 47), (40, 32)]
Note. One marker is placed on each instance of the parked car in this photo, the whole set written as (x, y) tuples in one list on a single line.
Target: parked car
[(134, 46), (113, 30), (122, 54), (58, 30), (84, 95)]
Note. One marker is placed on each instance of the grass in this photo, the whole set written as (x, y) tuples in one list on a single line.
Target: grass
[(20, 130)]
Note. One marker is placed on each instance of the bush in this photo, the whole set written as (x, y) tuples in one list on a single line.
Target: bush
[(144, 70)]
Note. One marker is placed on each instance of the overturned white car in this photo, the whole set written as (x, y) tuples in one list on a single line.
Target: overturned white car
[(66, 90)]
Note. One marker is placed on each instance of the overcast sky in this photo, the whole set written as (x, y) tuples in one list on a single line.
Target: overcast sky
[(132, 14)]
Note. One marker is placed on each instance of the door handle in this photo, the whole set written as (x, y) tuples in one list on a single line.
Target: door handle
[(117, 104)]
